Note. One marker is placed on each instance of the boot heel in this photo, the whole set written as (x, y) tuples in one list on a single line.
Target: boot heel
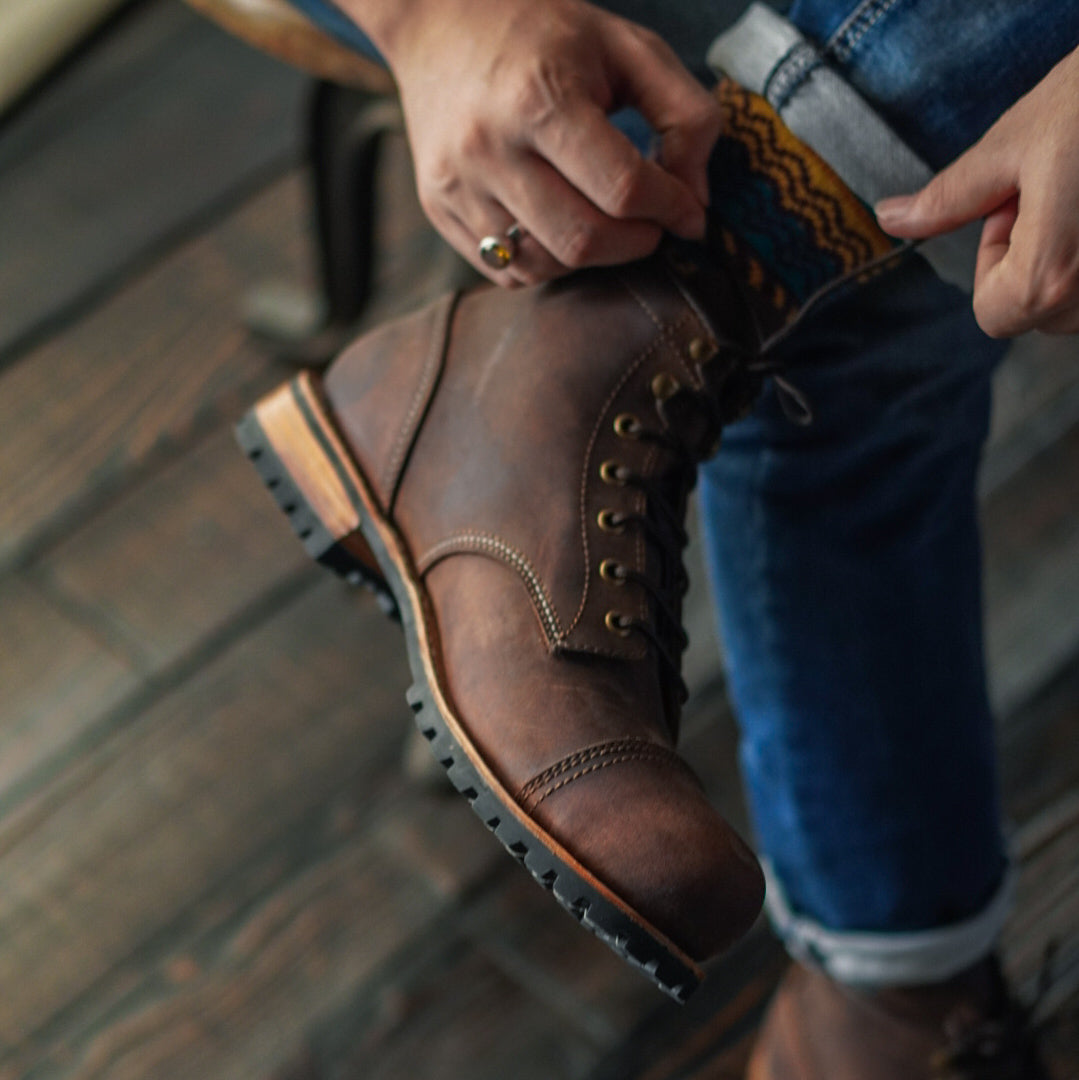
[(298, 455)]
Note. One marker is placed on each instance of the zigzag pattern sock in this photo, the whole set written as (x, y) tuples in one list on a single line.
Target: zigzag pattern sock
[(781, 215)]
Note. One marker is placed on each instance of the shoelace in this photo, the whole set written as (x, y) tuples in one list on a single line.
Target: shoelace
[(690, 423), (998, 1048)]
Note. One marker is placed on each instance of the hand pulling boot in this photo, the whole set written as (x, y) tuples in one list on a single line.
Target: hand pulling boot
[(518, 464), (510, 471), (967, 1028)]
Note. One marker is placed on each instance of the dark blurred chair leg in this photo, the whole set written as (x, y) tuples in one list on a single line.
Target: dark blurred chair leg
[(346, 132)]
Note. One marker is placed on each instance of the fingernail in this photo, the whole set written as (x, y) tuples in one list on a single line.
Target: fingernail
[(893, 209)]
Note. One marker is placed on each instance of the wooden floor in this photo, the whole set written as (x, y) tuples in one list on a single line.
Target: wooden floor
[(212, 863)]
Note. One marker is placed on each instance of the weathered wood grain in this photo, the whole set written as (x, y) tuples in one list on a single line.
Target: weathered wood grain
[(163, 360), (191, 119), (1047, 914), (459, 1016), (1032, 573), (56, 680), (1039, 372), (235, 999), (123, 842), (434, 832), (179, 557), (530, 938), (1039, 750)]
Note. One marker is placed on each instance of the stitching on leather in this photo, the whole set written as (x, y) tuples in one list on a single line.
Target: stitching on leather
[(435, 359), (668, 334), (672, 332), (846, 39), (668, 331), (606, 764), (580, 757), (587, 469), (643, 751), (484, 543)]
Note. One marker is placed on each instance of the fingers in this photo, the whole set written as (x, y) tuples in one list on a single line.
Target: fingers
[(564, 228), (680, 110), (568, 228), (974, 185), (531, 262), (1027, 276), (603, 165), (526, 137)]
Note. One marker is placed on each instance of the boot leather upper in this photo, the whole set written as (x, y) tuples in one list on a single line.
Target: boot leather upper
[(966, 1028), (497, 431)]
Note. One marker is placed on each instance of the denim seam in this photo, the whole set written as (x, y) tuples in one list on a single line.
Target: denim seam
[(854, 28), (790, 72)]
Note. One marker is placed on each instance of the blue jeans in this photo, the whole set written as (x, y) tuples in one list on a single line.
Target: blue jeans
[(845, 556)]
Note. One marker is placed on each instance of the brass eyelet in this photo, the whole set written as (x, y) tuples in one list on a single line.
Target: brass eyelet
[(613, 571), (606, 521), (609, 473), (617, 624), (665, 385), (699, 350), (627, 426)]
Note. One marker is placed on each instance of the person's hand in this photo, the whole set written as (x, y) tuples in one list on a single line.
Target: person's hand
[(1023, 178), (506, 105)]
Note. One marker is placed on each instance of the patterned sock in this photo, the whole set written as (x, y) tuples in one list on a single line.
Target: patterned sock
[(782, 216)]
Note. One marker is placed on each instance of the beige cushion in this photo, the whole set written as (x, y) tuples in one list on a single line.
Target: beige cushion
[(34, 34)]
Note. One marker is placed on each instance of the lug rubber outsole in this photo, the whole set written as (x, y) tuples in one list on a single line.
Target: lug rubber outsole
[(297, 452)]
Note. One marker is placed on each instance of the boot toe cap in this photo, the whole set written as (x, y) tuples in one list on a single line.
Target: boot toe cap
[(646, 831)]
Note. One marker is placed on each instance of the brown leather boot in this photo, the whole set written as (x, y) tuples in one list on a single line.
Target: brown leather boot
[(967, 1028), (518, 464)]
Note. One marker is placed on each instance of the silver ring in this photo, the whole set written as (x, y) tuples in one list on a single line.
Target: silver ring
[(498, 252)]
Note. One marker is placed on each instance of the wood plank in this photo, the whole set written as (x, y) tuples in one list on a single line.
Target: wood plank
[(1039, 753), (1047, 913), (123, 842), (1039, 372), (523, 932), (433, 831), (163, 361), (1032, 574), (179, 557), (455, 1016), (236, 994), (57, 680), (133, 166)]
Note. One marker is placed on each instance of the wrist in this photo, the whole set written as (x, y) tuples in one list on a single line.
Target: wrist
[(394, 25)]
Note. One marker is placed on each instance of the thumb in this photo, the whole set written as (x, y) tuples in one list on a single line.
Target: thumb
[(973, 186)]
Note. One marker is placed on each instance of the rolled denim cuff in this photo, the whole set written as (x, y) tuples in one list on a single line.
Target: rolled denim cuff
[(885, 959), (766, 54)]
